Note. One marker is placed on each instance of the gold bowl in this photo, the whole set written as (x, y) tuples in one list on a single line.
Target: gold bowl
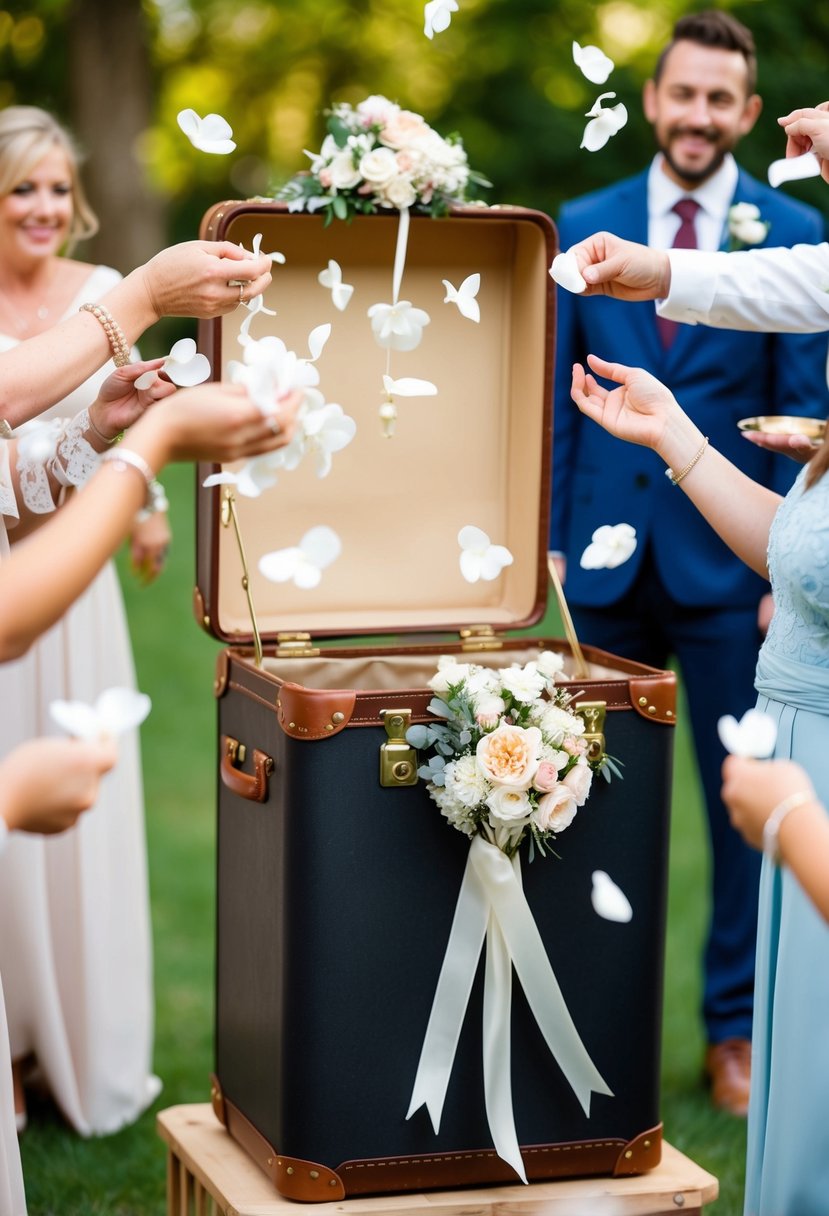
[(782, 424)]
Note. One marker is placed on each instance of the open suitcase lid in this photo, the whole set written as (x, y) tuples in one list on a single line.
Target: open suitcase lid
[(477, 453)]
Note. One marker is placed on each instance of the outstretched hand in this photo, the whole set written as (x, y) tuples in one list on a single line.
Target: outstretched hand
[(807, 130), (638, 411), (119, 403), (622, 269)]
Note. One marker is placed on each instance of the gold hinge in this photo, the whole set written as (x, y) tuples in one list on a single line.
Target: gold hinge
[(295, 646), (593, 714), (398, 759), (479, 637)]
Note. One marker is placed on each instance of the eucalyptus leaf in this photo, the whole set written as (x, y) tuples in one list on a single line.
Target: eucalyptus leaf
[(340, 207), (339, 130), (418, 736), (439, 708)]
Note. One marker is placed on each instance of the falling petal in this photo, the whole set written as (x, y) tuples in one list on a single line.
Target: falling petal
[(76, 718), (611, 546), (317, 340), (608, 900), (122, 709), (593, 63), (479, 558), (409, 386), (209, 134), (437, 15), (754, 736), (604, 123), (321, 545), (281, 565), (464, 296), (565, 271), (793, 168)]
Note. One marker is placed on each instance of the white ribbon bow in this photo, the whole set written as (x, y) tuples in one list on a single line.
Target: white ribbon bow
[(492, 906)]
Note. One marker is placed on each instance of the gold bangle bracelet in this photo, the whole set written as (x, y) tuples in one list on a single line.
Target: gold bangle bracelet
[(676, 478), (115, 335)]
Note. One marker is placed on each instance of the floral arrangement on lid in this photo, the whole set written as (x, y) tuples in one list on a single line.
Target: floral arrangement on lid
[(378, 155), (509, 757)]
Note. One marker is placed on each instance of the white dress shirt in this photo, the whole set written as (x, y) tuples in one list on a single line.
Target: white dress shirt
[(714, 196)]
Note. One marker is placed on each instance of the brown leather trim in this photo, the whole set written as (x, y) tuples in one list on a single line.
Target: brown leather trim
[(222, 673), (253, 786), (480, 1167), (305, 1181), (314, 713), (199, 610), (655, 699), (643, 1153), (217, 1100)]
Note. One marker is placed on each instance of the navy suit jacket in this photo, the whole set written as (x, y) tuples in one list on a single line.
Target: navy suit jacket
[(718, 376)]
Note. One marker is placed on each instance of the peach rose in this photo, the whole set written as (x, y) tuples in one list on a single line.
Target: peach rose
[(403, 128), (509, 755)]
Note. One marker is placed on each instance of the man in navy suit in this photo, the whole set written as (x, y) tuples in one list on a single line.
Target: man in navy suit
[(708, 609)]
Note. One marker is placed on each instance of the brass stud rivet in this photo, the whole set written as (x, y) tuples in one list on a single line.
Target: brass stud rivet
[(332, 1181), (646, 1143), (292, 725), (629, 1154), (651, 709), (206, 621), (270, 1160), (643, 700), (329, 726), (337, 718), (669, 713), (679, 1200), (315, 1174), (289, 1170)]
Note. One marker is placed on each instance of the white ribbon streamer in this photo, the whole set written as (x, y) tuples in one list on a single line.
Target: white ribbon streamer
[(400, 254), (492, 904)]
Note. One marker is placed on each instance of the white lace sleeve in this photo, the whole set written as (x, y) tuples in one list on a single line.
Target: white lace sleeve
[(8, 502), (53, 447)]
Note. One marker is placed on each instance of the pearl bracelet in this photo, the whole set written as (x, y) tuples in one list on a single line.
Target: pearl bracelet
[(771, 828), (121, 354)]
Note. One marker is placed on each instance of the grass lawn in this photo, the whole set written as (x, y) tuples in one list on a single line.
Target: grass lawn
[(124, 1175)]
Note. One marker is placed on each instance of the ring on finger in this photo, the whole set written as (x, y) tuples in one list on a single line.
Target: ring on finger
[(276, 428), (241, 284)]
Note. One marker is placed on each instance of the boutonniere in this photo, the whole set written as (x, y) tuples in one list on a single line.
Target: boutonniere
[(745, 227)]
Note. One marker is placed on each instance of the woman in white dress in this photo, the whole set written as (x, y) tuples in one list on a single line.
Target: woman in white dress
[(214, 423), (75, 945)]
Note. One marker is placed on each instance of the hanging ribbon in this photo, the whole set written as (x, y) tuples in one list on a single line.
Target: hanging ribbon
[(400, 254), (492, 906)]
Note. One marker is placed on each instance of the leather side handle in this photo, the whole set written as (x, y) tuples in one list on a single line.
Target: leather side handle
[(253, 786)]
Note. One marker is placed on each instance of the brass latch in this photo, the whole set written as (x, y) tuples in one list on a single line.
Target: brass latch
[(479, 637), (593, 715), (295, 646), (398, 759)]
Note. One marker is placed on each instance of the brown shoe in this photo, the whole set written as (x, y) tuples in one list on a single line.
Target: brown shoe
[(728, 1069)]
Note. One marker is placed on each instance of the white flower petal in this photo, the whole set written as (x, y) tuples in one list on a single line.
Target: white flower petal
[(321, 546), (121, 709), (793, 168), (307, 576), (410, 386), (592, 62), (471, 564), (473, 539), (754, 736), (340, 295), (604, 123), (281, 565), (464, 296), (76, 718), (494, 561), (609, 900), (225, 478), (183, 350), (611, 545), (437, 15), (185, 375), (209, 134), (317, 340), (565, 271)]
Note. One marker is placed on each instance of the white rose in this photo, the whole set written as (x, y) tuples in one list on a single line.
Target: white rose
[(509, 805), (556, 810), (376, 110), (448, 672), (578, 781), (525, 683), (399, 192), (378, 166), (456, 813), (488, 708), (343, 173)]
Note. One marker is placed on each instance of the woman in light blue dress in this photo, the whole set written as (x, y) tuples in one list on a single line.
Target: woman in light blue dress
[(788, 1133)]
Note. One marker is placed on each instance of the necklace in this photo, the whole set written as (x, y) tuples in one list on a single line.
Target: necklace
[(20, 321)]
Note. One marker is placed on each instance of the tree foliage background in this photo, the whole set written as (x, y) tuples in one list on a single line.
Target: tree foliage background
[(118, 71)]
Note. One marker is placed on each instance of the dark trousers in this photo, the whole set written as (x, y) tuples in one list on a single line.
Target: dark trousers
[(716, 649)]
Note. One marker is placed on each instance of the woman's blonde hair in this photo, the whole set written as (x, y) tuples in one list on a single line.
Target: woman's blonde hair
[(27, 134)]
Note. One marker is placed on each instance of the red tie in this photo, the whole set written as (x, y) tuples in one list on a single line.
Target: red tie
[(686, 238)]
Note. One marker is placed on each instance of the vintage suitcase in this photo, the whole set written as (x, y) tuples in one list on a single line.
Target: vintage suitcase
[(337, 877)]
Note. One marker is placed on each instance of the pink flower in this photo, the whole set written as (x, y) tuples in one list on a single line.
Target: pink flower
[(546, 778), (403, 128), (325, 178), (509, 755), (576, 747), (556, 810)]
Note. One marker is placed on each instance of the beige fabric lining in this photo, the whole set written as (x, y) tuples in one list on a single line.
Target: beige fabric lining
[(471, 455)]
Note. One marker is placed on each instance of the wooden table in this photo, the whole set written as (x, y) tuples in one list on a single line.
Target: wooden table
[(208, 1174)]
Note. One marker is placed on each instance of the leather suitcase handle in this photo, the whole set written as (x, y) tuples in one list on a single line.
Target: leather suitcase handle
[(253, 786)]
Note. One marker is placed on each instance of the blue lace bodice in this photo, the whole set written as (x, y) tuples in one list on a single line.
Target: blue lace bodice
[(798, 556)]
